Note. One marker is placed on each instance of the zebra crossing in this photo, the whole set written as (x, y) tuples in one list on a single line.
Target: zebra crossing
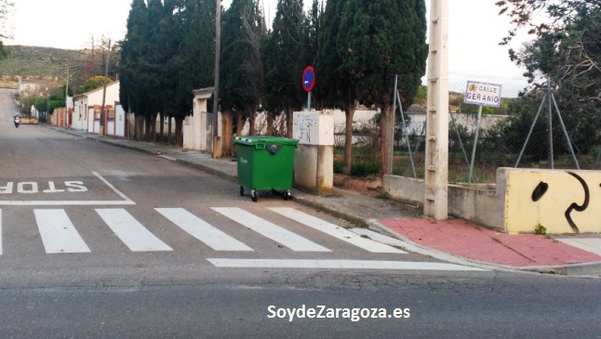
[(59, 234)]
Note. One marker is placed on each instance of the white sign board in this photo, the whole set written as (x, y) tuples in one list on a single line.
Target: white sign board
[(483, 94)]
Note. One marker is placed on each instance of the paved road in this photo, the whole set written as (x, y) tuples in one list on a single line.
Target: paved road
[(103, 241)]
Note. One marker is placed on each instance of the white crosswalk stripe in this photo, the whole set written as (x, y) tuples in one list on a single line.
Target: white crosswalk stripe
[(335, 231), (202, 231), (339, 264), (267, 229), (58, 233), (131, 232)]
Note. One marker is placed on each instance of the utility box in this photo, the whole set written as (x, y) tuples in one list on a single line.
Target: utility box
[(265, 163), (314, 160)]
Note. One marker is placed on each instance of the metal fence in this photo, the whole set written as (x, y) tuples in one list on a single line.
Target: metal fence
[(518, 133)]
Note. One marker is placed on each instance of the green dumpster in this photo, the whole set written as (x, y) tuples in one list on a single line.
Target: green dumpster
[(265, 163)]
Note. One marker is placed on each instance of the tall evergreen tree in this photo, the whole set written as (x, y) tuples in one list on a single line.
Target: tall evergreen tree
[(131, 93), (378, 40), (285, 61), (335, 88), (241, 66), (194, 66)]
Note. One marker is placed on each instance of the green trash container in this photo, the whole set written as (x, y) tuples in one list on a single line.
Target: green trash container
[(265, 163)]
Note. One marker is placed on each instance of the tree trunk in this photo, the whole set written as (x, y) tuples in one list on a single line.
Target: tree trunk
[(227, 122), (269, 127), (179, 135), (147, 128), (252, 115), (169, 131), (289, 122), (139, 127), (348, 140), (153, 127), (162, 128), (386, 132), (239, 123)]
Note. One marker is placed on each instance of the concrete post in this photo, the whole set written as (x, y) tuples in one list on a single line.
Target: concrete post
[(437, 115), (314, 156)]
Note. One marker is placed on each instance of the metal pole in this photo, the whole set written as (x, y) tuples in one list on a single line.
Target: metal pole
[(398, 97), (540, 108), (102, 110), (469, 180), (217, 71), (550, 121), (393, 119), (67, 92), (565, 131)]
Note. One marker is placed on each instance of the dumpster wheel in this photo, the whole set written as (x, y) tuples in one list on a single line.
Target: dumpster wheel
[(241, 190), (287, 195), (254, 195)]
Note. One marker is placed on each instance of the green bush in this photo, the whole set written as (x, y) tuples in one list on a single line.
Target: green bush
[(366, 168), (362, 168)]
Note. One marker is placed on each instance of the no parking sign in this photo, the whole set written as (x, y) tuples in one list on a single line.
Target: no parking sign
[(309, 79)]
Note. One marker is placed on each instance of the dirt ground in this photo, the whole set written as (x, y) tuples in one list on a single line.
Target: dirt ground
[(370, 186)]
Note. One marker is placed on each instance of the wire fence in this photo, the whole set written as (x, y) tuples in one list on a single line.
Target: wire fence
[(518, 133)]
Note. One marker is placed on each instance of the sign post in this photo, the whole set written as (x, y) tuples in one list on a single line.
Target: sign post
[(308, 83), (481, 94)]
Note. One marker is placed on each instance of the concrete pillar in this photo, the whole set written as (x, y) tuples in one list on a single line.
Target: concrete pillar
[(437, 115), (314, 157)]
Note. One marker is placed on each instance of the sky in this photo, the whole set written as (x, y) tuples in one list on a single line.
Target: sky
[(475, 29)]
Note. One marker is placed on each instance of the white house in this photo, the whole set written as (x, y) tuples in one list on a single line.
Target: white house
[(87, 107)]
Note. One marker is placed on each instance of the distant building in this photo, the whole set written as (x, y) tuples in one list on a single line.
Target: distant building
[(84, 116)]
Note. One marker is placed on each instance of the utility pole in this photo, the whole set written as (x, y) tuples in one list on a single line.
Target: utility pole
[(217, 144), (436, 203), (67, 93), (106, 74)]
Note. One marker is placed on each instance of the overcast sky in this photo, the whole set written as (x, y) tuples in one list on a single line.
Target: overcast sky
[(475, 29)]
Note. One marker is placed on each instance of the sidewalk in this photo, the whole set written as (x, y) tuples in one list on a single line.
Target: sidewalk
[(453, 240)]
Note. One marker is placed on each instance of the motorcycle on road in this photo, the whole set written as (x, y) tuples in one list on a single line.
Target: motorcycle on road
[(17, 121)]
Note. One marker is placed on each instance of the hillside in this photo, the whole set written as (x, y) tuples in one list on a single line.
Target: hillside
[(37, 62)]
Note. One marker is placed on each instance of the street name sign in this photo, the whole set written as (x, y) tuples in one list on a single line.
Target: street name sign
[(483, 94)]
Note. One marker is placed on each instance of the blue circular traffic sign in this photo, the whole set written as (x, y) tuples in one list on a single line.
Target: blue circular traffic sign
[(309, 79)]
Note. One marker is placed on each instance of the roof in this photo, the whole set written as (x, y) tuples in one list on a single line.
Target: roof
[(114, 83)]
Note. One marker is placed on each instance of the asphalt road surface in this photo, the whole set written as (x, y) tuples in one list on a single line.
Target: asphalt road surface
[(101, 241)]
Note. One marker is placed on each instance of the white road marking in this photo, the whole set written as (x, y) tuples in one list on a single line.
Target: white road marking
[(167, 157), (335, 231), (202, 231), (338, 264), (65, 203), (123, 196), (379, 237), (133, 234), (276, 233), (58, 233), (125, 201)]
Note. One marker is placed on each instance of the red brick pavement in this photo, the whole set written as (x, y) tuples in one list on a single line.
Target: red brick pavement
[(461, 238)]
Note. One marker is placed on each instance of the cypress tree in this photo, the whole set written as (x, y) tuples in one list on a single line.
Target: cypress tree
[(284, 61)]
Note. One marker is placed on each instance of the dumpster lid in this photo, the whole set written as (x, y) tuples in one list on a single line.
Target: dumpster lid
[(271, 140)]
